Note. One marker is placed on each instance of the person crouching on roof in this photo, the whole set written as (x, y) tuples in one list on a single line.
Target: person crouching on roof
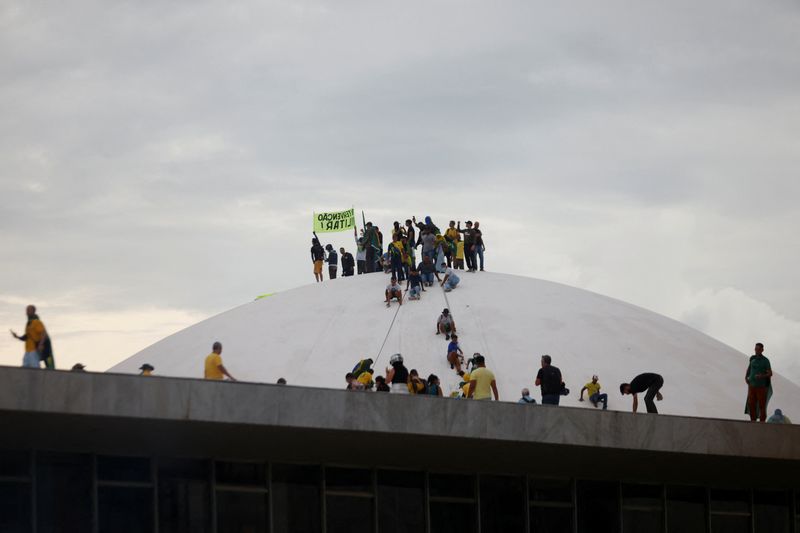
[(394, 290)]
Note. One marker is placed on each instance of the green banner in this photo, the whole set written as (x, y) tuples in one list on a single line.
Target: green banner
[(334, 221)]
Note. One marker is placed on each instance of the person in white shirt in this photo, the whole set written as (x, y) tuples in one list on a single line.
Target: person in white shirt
[(450, 280), (394, 290)]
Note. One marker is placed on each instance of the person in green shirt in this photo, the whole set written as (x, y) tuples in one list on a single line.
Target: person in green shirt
[(757, 378)]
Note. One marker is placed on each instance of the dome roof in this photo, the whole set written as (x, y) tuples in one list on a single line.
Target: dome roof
[(313, 335)]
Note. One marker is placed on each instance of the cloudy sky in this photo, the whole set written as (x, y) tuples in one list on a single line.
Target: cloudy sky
[(160, 162)]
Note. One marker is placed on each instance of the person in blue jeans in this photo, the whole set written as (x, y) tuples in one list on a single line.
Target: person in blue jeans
[(479, 247), (593, 388), (450, 280), (427, 270), (549, 379)]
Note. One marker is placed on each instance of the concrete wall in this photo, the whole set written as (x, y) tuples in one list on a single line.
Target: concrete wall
[(122, 414)]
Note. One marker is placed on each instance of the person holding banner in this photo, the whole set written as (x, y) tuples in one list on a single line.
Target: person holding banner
[(317, 257)]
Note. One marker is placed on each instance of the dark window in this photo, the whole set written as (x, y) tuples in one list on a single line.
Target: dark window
[(598, 506), (15, 507), (772, 511), (241, 511), (503, 504), (551, 490), (453, 517), (348, 480), (721, 523), (551, 519), (349, 514), (125, 509), (642, 508), (686, 510), (63, 493), (241, 474), (401, 501), (296, 500), (730, 501), (15, 464), (135, 469), (183, 496), (452, 486)]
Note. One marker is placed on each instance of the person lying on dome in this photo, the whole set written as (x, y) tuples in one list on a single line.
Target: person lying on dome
[(427, 271), (454, 354), (450, 280), (394, 290), (445, 324)]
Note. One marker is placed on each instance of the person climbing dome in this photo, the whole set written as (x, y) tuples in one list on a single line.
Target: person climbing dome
[(455, 356), (649, 382), (446, 324), (450, 280), (397, 374), (414, 285), (394, 290), (593, 388)]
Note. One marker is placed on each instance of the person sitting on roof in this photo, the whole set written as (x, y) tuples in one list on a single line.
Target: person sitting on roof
[(779, 418), (593, 388), (526, 397), (394, 290), (415, 383), (353, 383), (445, 324), (434, 386), (427, 271), (414, 283), (450, 280), (454, 354)]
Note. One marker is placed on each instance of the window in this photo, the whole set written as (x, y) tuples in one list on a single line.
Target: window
[(598, 506), (124, 495), (15, 507), (730, 511), (183, 496), (502, 504), (349, 500), (551, 505), (452, 503), (296, 500), (401, 501), (15, 465), (686, 510), (63, 493), (642, 508), (772, 510), (241, 497)]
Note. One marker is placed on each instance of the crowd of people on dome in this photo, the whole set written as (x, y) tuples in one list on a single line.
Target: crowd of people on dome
[(456, 248)]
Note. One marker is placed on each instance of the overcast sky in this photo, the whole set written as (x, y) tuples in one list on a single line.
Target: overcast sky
[(160, 161)]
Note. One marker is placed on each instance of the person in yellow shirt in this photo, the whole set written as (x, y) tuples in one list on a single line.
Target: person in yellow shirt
[(459, 260), (36, 341), (481, 381), (593, 388), (214, 369)]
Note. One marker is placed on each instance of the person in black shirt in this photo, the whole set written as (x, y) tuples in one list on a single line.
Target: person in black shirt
[(317, 257), (649, 382), (333, 261), (348, 263), (549, 379)]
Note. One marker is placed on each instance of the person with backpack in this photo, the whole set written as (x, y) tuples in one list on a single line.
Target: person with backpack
[(549, 379)]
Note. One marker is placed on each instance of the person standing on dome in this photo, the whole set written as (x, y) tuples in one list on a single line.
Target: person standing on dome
[(479, 247), (397, 374), (333, 261), (317, 257), (469, 245), (649, 382), (371, 244), (758, 378), (550, 381), (593, 388), (348, 263), (214, 369), (482, 383)]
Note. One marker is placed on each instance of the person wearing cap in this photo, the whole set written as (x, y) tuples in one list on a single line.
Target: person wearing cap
[(526, 397), (394, 290), (549, 379), (445, 324), (469, 245), (649, 382), (78, 367), (397, 374), (593, 388), (779, 418), (482, 383), (146, 369), (214, 369)]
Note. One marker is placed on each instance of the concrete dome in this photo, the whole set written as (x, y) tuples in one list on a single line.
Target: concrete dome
[(314, 334)]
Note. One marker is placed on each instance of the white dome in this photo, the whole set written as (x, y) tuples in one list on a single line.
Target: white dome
[(314, 334)]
